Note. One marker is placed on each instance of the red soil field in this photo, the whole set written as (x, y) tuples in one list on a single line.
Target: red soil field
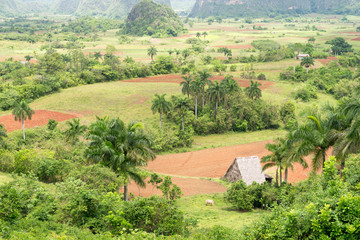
[(228, 29), (176, 78), (210, 163), (40, 118), (326, 61), (356, 39), (189, 187), (236, 46)]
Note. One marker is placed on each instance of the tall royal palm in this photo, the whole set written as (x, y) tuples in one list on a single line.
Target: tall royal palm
[(74, 130), (182, 105), (204, 76), (315, 137), (253, 91), (307, 62), (230, 87), (186, 85), (152, 51), (121, 148), (22, 112), (196, 88), (215, 93), (275, 158), (160, 105)]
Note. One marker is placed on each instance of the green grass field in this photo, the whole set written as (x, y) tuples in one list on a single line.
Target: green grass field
[(219, 214)]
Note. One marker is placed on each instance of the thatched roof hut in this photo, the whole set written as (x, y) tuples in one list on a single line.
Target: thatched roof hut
[(247, 169)]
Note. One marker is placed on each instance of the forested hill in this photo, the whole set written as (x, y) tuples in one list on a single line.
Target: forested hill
[(108, 8), (254, 8)]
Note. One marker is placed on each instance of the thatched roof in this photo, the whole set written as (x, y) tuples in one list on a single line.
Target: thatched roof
[(246, 168)]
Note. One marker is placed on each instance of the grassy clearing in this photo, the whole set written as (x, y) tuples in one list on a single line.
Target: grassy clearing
[(5, 178), (219, 214)]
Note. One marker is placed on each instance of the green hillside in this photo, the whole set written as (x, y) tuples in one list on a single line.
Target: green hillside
[(150, 18), (236, 8)]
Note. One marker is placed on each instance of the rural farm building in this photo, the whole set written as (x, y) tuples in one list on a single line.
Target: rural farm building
[(247, 169), (302, 56)]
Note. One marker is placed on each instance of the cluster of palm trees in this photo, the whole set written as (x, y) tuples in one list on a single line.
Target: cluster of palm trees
[(120, 147), (337, 128), (203, 91)]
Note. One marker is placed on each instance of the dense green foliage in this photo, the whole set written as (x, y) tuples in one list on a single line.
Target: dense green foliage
[(149, 18)]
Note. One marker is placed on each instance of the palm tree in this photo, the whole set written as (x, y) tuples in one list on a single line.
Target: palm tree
[(204, 34), (186, 53), (152, 51), (253, 91), (75, 129), (216, 93), (198, 34), (348, 142), (121, 148), (182, 106), (275, 158), (307, 62), (196, 88), (49, 37), (22, 112), (230, 87), (97, 55), (186, 85), (204, 76), (160, 105), (315, 137)]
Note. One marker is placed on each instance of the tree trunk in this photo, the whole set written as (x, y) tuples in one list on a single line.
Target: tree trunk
[(126, 193), (203, 98), (160, 120), (188, 95), (307, 70), (196, 114), (183, 122), (23, 125), (342, 166), (294, 69), (286, 174), (277, 177), (280, 175), (216, 107)]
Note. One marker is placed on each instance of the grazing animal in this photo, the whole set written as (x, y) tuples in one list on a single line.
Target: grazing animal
[(209, 202)]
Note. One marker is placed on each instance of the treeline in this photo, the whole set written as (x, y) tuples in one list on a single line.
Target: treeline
[(212, 107), (336, 78), (55, 71)]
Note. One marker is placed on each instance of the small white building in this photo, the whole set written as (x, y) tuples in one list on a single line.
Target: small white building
[(302, 56)]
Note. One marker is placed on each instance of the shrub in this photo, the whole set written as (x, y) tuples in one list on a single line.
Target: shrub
[(239, 197), (305, 93), (155, 214), (261, 76)]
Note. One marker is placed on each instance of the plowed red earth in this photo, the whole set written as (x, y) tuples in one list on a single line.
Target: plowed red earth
[(211, 163), (356, 39), (189, 187), (175, 78), (236, 46), (39, 118), (327, 60)]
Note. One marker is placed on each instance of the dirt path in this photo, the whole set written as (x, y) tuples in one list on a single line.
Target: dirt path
[(40, 118)]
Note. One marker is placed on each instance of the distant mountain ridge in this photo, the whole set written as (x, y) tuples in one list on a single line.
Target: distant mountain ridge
[(109, 8), (256, 8)]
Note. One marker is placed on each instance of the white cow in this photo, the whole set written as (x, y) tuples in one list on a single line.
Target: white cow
[(209, 202)]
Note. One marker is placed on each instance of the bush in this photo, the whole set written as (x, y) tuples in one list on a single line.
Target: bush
[(239, 197), (261, 76), (97, 177), (155, 214), (305, 93)]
